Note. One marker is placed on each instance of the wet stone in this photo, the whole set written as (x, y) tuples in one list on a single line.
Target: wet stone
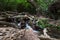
[(1, 34), (1, 37)]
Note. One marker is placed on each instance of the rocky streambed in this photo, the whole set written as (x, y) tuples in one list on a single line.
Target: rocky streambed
[(9, 33)]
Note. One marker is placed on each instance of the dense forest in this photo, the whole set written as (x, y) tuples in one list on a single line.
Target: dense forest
[(30, 19)]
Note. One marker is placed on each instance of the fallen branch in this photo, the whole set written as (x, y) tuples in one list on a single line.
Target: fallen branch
[(8, 24)]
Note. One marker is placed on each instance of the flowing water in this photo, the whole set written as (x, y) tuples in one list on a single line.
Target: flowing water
[(27, 27)]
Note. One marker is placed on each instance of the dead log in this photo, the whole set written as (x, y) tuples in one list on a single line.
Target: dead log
[(8, 24)]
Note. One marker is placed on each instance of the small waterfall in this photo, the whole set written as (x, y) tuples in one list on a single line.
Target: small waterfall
[(29, 27), (19, 24)]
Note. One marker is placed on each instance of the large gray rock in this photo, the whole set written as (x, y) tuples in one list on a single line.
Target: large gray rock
[(9, 33)]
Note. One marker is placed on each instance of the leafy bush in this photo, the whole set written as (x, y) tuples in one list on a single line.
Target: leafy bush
[(12, 5), (44, 4), (43, 23)]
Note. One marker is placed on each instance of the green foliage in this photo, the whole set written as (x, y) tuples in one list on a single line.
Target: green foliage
[(43, 23), (7, 4), (11, 5), (44, 4)]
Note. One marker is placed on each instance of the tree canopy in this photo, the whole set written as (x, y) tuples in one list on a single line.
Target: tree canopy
[(12, 5)]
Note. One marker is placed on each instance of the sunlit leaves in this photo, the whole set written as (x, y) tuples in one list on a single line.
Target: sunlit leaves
[(44, 4)]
